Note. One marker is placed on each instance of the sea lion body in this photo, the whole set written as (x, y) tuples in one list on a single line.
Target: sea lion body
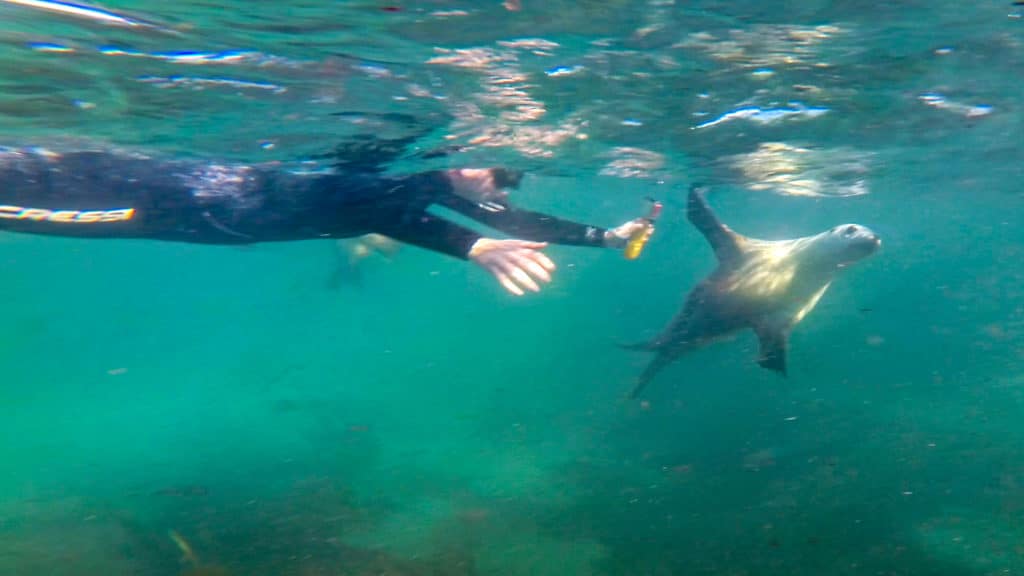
[(765, 285)]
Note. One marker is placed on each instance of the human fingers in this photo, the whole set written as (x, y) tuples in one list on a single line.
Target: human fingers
[(525, 244), (505, 281), (534, 268), (512, 270), (540, 258)]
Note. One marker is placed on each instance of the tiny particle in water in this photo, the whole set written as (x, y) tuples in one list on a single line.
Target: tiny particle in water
[(267, 145), (117, 371), (83, 105), (632, 122), (865, 310), (391, 9), (908, 493), (763, 73), (791, 419), (944, 51)]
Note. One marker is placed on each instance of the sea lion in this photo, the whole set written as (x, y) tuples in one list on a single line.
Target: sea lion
[(765, 285)]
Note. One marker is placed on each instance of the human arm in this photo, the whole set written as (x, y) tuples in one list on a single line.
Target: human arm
[(479, 194), (526, 223), (518, 265)]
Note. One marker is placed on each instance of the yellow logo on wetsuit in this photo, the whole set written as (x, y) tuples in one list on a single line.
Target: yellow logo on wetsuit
[(66, 216)]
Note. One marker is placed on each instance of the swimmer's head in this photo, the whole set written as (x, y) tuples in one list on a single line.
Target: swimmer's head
[(484, 184), (505, 178)]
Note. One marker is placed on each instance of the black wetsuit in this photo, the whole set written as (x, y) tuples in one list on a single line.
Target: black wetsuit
[(102, 194)]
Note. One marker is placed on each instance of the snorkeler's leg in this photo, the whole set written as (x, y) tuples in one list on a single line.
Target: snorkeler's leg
[(350, 254), (88, 194), (346, 272)]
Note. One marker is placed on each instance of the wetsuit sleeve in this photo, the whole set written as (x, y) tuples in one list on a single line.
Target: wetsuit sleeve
[(525, 224), (403, 216), (422, 229)]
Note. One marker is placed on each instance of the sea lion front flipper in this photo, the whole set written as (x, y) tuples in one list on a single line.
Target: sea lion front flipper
[(773, 344), (725, 242)]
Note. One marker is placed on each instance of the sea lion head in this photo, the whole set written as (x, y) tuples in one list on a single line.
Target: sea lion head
[(846, 244)]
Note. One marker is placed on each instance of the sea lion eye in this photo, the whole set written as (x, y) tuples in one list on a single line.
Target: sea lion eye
[(850, 231)]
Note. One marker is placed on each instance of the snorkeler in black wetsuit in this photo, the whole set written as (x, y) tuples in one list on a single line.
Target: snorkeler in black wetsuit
[(107, 194)]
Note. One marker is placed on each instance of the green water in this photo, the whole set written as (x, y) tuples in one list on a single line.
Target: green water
[(427, 423)]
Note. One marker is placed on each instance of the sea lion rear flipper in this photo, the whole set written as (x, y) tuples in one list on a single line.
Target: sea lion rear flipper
[(723, 240), (656, 365), (773, 343)]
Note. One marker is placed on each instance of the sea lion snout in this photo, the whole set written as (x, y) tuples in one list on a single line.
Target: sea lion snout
[(855, 242), (868, 237)]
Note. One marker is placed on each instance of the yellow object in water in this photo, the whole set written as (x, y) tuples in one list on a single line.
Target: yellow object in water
[(636, 244), (188, 555), (639, 239)]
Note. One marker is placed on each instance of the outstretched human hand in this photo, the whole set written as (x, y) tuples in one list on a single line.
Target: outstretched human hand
[(517, 264)]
